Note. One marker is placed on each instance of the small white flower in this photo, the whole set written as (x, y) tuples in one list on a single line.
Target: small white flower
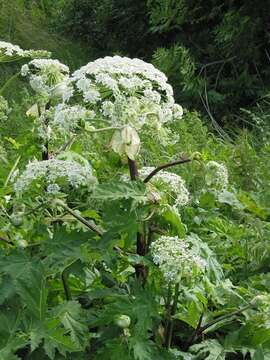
[(176, 258), (24, 70), (54, 172), (53, 189), (174, 182), (48, 76), (134, 92), (7, 198), (178, 111), (216, 176), (66, 119), (91, 95), (10, 52), (4, 109)]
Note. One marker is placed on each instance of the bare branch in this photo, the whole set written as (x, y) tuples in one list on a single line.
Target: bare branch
[(165, 166)]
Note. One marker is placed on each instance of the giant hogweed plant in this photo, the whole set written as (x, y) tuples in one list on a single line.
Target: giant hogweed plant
[(106, 269)]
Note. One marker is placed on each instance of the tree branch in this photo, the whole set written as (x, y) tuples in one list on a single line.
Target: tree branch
[(165, 166)]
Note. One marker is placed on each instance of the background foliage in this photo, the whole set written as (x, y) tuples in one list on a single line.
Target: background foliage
[(215, 54)]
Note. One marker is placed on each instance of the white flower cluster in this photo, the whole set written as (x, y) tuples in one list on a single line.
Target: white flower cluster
[(174, 182), (54, 174), (127, 91), (9, 52), (176, 258), (66, 119), (48, 76), (216, 175), (4, 109)]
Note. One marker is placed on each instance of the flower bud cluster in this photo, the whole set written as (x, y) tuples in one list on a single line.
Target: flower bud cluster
[(176, 258)]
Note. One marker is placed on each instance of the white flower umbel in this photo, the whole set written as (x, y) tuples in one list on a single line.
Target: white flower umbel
[(216, 176), (120, 84), (10, 52), (126, 92), (174, 183), (10, 49), (49, 173), (176, 258), (67, 119), (47, 77)]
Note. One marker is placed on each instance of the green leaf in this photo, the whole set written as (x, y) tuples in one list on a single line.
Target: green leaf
[(29, 280), (252, 206), (121, 190), (210, 350), (56, 339), (64, 249), (191, 316), (142, 349), (259, 354), (70, 315), (33, 291), (207, 200), (172, 217), (227, 197), (36, 337)]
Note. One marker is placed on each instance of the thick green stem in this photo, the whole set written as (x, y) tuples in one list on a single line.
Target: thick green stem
[(224, 317), (141, 247), (12, 171), (168, 309), (67, 291), (45, 152), (80, 218), (169, 333), (200, 329)]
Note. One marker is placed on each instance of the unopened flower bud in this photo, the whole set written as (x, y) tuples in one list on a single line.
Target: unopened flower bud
[(123, 321)]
